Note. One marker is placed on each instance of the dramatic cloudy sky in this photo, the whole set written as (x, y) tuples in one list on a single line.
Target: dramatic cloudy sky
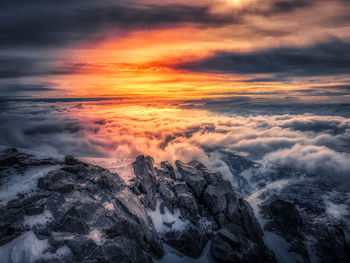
[(266, 49), (268, 79)]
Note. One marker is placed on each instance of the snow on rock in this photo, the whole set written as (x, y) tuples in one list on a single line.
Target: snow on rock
[(21, 183), (41, 219), (160, 221), (123, 167), (27, 248), (280, 247)]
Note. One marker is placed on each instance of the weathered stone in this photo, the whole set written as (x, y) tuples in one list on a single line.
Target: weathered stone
[(74, 222), (214, 199), (145, 173), (222, 252), (282, 212), (190, 241), (228, 237), (70, 160), (192, 177), (56, 181), (169, 168)]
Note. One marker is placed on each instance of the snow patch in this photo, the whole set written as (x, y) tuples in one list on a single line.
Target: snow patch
[(41, 219), (27, 248), (280, 247), (338, 211), (21, 183), (123, 167), (158, 219)]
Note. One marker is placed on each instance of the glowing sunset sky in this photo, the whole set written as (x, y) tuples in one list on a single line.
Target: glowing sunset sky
[(279, 49)]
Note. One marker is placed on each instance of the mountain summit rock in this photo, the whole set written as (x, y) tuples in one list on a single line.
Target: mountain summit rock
[(55, 209)]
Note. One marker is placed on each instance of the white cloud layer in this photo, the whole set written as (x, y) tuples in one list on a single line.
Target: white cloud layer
[(310, 143)]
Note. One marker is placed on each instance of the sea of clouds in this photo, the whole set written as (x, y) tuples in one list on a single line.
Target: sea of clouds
[(301, 137)]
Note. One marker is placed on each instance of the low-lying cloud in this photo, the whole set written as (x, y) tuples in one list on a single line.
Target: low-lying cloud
[(308, 142)]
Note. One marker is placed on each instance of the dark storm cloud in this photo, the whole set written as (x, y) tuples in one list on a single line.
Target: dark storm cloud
[(318, 126), (328, 91), (290, 5), (17, 67), (15, 89), (33, 23), (252, 80), (329, 58), (334, 87), (53, 23)]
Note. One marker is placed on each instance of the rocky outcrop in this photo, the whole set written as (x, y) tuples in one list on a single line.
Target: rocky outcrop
[(313, 239), (85, 209), (213, 209), (63, 210)]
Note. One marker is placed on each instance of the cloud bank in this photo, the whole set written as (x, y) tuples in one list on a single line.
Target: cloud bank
[(308, 142)]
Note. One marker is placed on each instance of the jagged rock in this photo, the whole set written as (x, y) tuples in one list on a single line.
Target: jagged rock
[(170, 169), (181, 188), (210, 176), (192, 177), (107, 181), (166, 191), (99, 220), (228, 237), (121, 249), (332, 244), (56, 181), (222, 252), (73, 221), (282, 212), (145, 173), (189, 241), (82, 247), (214, 199), (188, 202), (70, 160)]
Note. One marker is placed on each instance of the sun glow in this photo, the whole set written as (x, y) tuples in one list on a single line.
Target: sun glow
[(141, 64)]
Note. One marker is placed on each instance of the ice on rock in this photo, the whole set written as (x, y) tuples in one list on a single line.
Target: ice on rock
[(280, 247), (21, 183), (41, 219), (158, 219), (123, 167), (27, 248)]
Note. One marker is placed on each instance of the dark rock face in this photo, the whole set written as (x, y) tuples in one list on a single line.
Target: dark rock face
[(328, 243), (192, 177), (145, 174), (190, 241), (283, 213), (94, 216), (214, 210), (222, 251), (92, 213)]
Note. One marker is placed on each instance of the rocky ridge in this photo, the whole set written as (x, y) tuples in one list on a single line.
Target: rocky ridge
[(65, 210)]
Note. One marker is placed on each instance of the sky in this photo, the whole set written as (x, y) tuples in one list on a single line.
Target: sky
[(271, 50), (180, 80)]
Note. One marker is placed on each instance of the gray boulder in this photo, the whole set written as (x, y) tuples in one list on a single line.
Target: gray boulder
[(190, 241), (193, 177)]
